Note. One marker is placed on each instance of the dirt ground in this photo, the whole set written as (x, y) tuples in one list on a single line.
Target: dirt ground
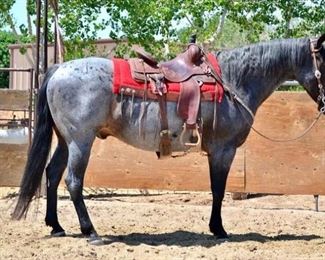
[(170, 226)]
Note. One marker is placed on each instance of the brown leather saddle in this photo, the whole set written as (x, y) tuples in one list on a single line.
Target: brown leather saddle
[(191, 69)]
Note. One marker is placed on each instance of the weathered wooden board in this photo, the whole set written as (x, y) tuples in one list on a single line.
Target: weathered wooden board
[(12, 163), (14, 99), (296, 167), (12, 156), (117, 165), (262, 166)]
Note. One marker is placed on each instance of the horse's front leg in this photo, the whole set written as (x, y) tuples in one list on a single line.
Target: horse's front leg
[(220, 159)]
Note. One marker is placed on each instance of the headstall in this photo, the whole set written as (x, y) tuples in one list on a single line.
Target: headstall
[(314, 50)]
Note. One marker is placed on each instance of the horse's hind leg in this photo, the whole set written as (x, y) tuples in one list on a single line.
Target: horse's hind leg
[(79, 152), (54, 173)]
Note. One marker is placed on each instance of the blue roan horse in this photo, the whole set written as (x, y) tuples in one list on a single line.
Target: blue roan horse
[(77, 102)]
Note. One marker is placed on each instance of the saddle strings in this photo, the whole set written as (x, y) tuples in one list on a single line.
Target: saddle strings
[(143, 108)]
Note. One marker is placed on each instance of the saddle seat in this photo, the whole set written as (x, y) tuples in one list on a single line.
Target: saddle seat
[(185, 65)]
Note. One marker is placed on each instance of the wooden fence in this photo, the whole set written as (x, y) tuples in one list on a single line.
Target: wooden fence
[(260, 166), (13, 156)]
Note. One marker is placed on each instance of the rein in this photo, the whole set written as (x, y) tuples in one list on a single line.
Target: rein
[(307, 130), (320, 98)]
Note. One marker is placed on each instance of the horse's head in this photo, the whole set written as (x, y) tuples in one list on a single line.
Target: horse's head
[(314, 83)]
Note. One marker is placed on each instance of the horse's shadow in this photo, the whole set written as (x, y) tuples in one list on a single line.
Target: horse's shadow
[(186, 239)]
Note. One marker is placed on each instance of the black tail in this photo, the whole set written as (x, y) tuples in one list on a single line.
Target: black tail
[(38, 152)]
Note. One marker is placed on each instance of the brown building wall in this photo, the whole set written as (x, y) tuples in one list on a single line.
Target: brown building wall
[(19, 59)]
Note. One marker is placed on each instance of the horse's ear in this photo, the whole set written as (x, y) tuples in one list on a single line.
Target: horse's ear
[(320, 41)]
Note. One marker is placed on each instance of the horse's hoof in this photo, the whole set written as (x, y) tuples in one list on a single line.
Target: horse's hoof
[(222, 239), (57, 233), (95, 241), (221, 235)]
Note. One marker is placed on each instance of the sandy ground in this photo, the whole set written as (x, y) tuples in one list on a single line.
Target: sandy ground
[(170, 226)]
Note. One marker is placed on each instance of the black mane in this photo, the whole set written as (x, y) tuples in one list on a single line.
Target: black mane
[(262, 60), (256, 70)]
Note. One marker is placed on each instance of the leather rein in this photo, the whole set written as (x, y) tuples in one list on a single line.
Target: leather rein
[(320, 98)]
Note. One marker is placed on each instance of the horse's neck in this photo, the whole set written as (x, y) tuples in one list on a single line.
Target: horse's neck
[(255, 71)]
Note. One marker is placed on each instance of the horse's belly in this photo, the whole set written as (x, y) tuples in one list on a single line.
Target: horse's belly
[(145, 140)]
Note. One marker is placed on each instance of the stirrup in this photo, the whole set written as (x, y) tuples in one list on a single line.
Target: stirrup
[(195, 133)]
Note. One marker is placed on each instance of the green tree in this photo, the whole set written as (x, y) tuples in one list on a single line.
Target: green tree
[(162, 25), (280, 18), (5, 39), (155, 24)]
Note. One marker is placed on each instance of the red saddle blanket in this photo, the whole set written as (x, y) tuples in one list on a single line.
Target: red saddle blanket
[(123, 79)]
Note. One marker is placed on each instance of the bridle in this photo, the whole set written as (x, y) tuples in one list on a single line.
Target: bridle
[(314, 50), (320, 99)]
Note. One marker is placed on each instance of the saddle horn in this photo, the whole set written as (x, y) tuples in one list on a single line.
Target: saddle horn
[(192, 39), (320, 41)]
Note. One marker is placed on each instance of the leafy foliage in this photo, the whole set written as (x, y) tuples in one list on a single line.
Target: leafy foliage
[(5, 7), (164, 26), (156, 24), (5, 39)]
